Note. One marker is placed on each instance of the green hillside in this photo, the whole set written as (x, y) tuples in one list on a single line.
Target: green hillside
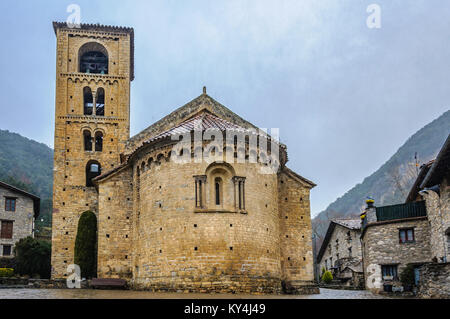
[(27, 164), (390, 184)]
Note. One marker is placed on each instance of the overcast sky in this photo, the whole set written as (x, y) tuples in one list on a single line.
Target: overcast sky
[(344, 96)]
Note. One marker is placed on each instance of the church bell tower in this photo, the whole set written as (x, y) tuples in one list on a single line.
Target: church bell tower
[(94, 68)]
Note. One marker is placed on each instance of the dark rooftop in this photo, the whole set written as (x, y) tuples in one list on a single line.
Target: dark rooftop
[(440, 167), (36, 199)]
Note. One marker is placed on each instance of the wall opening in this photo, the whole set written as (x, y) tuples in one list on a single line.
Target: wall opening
[(87, 140), (93, 169), (218, 190), (88, 101), (100, 102), (98, 141), (93, 58)]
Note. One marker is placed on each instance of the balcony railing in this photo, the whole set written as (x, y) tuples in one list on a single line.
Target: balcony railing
[(407, 210)]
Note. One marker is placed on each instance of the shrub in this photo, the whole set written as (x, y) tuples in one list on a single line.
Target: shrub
[(322, 271), (33, 257), (7, 262), (86, 245), (407, 277), (327, 277), (6, 272)]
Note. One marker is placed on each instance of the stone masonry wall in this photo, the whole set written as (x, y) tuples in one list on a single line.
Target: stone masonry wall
[(438, 212), (115, 245), (381, 247), (434, 281), (22, 217), (295, 231), (71, 196), (212, 249)]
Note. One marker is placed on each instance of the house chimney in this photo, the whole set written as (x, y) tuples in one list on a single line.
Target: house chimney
[(370, 212)]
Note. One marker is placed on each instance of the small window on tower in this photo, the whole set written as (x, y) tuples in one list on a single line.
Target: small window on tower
[(93, 58), (87, 140), (93, 169), (88, 102), (98, 141), (100, 102), (218, 190)]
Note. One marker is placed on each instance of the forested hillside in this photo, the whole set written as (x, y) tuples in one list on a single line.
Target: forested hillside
[(27, 164)]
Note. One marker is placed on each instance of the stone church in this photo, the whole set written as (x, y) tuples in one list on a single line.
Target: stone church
[(219, 223)]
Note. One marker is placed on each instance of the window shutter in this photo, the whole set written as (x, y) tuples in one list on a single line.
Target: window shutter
[(7, 230)]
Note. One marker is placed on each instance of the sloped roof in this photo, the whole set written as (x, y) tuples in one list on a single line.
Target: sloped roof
[(183, 113), (440, 167), (293, 174), (416, 186), (204, 110), (205, 119), (36, 199)]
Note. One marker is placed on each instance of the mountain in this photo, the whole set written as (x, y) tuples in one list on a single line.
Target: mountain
[(27, 164), (391, 183)]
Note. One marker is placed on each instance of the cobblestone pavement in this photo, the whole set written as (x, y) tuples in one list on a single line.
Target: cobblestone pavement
[(27, 293)]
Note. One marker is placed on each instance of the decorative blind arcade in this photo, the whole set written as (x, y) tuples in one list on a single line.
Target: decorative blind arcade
[(239, 192)]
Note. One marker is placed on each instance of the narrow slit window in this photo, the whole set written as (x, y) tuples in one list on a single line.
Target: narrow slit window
[(217, 190), (87, 141), (88, 101), (100, 102), (199, 185), (98, 142)]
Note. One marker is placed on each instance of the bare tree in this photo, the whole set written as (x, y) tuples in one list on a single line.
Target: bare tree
[(402, 177)]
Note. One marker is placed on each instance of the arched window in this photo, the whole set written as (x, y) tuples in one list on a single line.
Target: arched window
[(93, 58), (87, 140), (98, 141), (93, 169), (218, 190), (100, 102), (88, 102)]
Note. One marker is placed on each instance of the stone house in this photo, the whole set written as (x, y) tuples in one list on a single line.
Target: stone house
[(392, 238), (435, 190), (433, 185), (204, 215), (341, 252), (415, 233), (18, 210)]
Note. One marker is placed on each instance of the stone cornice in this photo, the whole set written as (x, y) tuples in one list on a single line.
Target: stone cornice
[(91, 76), (98, 34), (91, 119), (92, 28)]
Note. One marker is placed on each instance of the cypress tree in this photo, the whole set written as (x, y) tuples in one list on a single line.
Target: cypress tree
[(86, 245)]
